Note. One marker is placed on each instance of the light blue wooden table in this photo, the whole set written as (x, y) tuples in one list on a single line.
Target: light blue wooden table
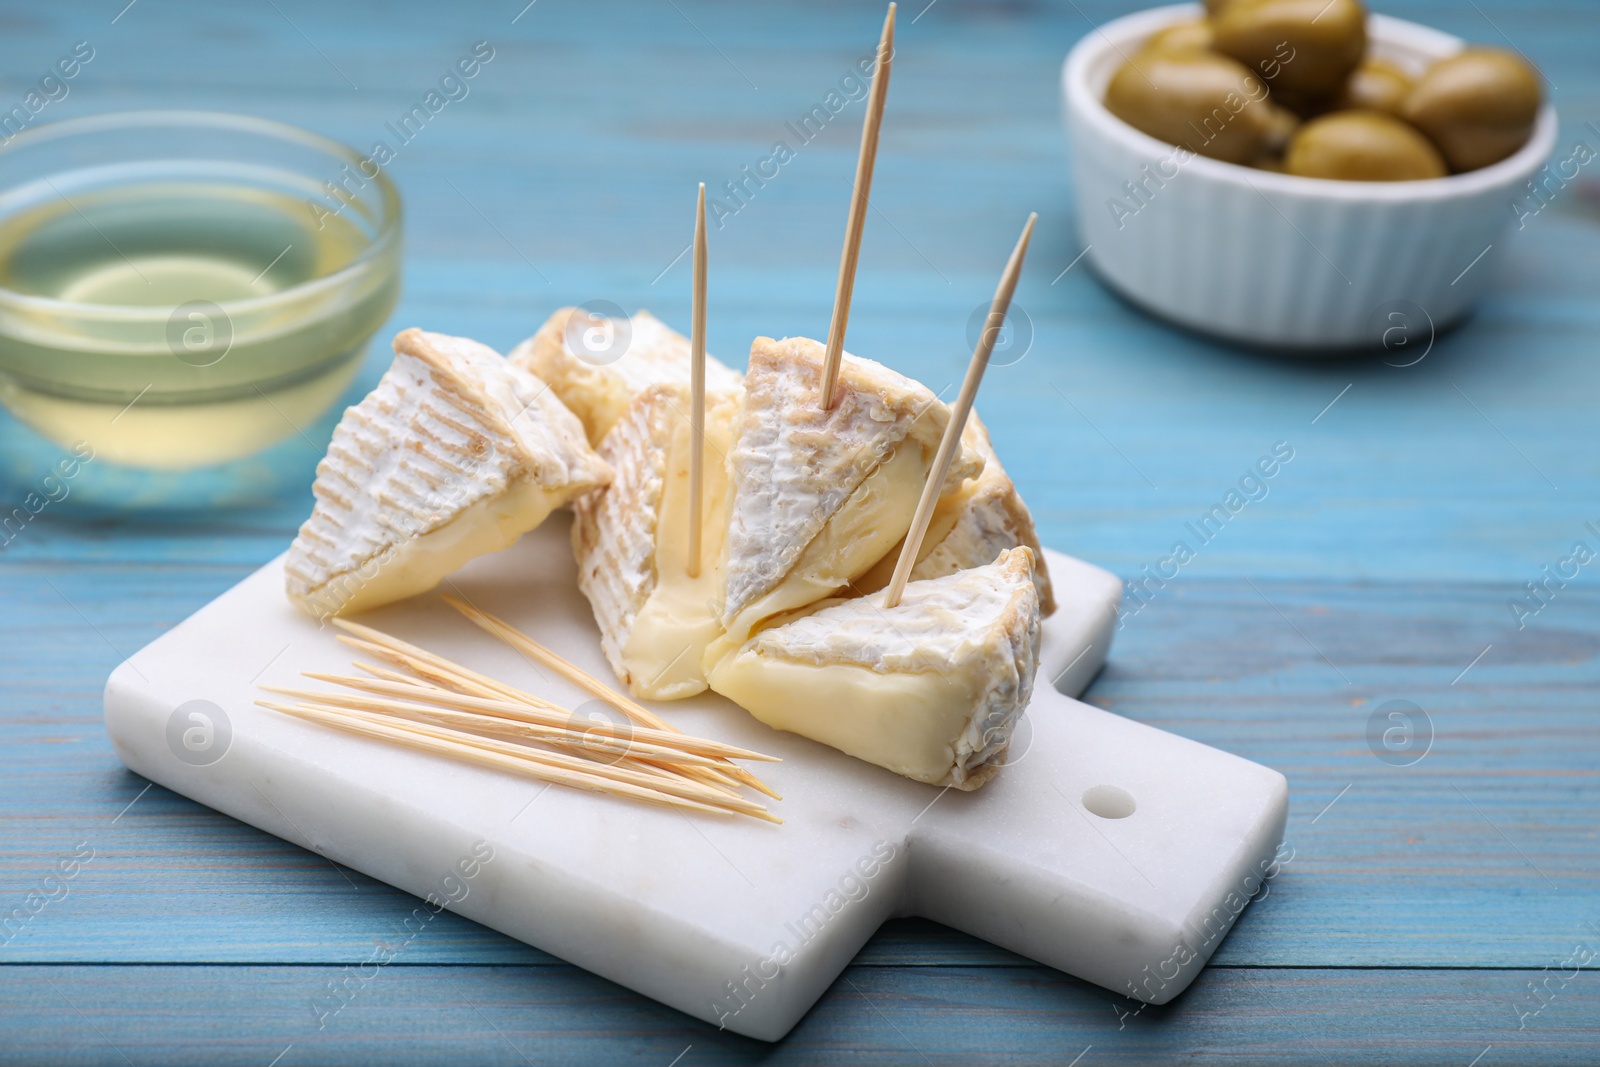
[(1433, 913)]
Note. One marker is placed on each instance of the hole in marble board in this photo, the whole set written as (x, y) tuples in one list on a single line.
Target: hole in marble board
[(1109, 802)]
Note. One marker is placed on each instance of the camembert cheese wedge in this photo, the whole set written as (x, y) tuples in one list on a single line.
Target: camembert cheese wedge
[(598, 365), (455, 454), (931, 688), (971, 525), (816, 496), (631, 540)]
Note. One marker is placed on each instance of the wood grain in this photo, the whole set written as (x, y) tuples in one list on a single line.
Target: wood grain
[(1420, 901), (515, 1015)]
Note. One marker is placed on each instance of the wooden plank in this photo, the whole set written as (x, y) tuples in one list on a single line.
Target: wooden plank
[(1455, 499), (1383, 558), (402, 1014)]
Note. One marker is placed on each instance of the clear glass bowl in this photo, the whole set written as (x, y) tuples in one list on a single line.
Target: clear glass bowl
[(183, 297)]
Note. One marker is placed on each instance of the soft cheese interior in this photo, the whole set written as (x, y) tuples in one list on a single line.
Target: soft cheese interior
[(931, 688), (871, 520), (818, 495), (632, 543), (416, 564), (971, 525)]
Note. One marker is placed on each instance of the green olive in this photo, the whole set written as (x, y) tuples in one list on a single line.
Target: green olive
[(1362, 146), (1478, 106), (1305, 49), (1375, 85), (1192, 36), (1205, 102)]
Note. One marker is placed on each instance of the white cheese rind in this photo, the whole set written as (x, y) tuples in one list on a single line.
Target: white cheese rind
[(598, 387), (614, 529), (931, 688), (453, 454), (795, 469)]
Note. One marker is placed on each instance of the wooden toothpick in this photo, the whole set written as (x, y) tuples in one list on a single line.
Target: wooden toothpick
[(570, 671), (460, 679), (585, 681), (504, 709), (858, 212), (951, 442), (617, 772), (697, 385), (591, 777), (394, 676), (408, 656), (468, 682), (619, 749)]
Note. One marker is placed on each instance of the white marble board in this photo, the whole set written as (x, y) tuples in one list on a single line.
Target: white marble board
[(738, 922)]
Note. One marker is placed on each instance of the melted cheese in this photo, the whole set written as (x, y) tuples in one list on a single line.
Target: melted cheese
[(631, 541), (818, 495), (665, 647), (971, 525), (872, 519), (945, 513)]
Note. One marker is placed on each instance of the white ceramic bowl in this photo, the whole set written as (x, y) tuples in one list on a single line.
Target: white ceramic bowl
[(1275, 259)]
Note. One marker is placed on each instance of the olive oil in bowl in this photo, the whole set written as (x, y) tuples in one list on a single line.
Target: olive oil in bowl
[(182, 314)]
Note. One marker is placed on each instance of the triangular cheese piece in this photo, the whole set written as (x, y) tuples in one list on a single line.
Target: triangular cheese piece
[(817, 496), (597, 365), (631, 540), (971, 525), (930, 688), (455, 454)]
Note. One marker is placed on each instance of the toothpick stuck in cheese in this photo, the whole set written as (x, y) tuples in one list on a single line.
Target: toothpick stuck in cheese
[(972, 524), (631, 541), (817, 496)]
